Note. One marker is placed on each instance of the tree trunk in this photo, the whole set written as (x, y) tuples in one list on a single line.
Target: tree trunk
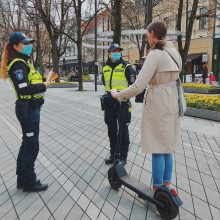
[(143, 46), (184, 50), (55, 57), (79, 56), (116, 21), (79, 45), (38, 61)]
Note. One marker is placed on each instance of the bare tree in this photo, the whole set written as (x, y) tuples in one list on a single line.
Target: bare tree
[(193, 15), (55, 16), (81, 7)]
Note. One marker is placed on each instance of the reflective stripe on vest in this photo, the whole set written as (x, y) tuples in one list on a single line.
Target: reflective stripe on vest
[(119, 80), (34, 77)]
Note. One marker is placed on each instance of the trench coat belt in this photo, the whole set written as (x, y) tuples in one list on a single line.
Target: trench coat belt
[(172, 84)]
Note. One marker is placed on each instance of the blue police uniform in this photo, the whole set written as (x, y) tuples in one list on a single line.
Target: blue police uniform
[(111, 112), (29, 89)]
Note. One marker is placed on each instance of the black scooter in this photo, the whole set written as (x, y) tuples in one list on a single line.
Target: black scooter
[(166, 200)]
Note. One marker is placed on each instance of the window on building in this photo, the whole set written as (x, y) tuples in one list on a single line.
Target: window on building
[(203, 21)]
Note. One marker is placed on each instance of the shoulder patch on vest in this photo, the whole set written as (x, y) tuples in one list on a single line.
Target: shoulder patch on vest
[(19, 74)]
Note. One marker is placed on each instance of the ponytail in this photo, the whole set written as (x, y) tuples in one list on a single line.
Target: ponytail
[(7, 54), (160, 44), (4, 62)]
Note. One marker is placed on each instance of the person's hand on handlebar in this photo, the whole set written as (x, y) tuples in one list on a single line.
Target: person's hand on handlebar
[(114, 93)]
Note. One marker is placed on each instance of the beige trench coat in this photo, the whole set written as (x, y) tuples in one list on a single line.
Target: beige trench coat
[(160, 127)]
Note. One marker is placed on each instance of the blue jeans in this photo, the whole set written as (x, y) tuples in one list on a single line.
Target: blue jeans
[(162, 165), (30, 143)]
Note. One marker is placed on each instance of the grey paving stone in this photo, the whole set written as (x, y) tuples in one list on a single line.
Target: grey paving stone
[(56, 199), (201, 209), (68, 186), (89, 192), (114, 197), (185, 215), (51, 191), (183, 183), (96, 180), (85, 217), (92, 211), (135, 172), (139, 211), (5, 208), (108, 210), (188, 204), (152, 215), (83, 202), (75, 213), (75, 193), (194, 175), (102, 217), (126, 203), (43, 214), (62, 179), (213, 197), (215, 213), (32, 210), (104, 188), (74, 178), (89, 174), (198, 190), (26, 202), (98, 200), (82, 185), (64, 208), (11, 215)]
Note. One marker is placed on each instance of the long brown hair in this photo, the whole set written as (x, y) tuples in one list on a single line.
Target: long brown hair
[(160, 31), (7, 55)]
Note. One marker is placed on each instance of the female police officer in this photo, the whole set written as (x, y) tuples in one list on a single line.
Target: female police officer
[(29, 88)]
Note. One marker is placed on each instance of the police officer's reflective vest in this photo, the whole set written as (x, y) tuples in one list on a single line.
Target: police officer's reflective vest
[(115, 79), (34, 77)]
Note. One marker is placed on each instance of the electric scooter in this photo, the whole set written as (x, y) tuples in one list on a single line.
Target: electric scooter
[(166, 200)]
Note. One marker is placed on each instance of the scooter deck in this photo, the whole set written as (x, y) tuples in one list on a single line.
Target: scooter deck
[(143, 191)]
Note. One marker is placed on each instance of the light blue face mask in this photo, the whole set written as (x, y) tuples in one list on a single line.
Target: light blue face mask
[(27, 49), (116, 56)]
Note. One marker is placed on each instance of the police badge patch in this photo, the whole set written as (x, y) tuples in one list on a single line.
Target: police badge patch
[(19, 74)]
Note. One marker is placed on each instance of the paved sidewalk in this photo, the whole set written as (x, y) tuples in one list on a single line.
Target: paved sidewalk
[(73, 146)]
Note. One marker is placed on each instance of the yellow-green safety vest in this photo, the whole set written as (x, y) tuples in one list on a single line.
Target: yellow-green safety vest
[(34, 77), (118, 80)]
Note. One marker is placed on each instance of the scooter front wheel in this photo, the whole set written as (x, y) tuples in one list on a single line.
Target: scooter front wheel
[(170, 209), (113, 179)]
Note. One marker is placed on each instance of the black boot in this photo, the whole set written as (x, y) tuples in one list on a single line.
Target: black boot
[(20, 182), (37, 187), (109, 160)]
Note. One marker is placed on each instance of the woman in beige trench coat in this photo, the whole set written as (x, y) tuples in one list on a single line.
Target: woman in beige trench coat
[(160, 128)]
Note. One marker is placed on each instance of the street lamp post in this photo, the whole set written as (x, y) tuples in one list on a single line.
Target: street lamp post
[(149, 9), (96, 66), (187, 21)]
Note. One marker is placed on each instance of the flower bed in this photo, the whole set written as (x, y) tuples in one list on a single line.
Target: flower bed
[(200, 88), (203, 102), (197, 85)]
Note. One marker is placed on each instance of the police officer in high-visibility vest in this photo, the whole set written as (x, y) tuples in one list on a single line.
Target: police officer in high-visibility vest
[(29, 88), (117, 74)]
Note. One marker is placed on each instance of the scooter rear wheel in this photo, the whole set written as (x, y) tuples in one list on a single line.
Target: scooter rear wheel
[(113, 180), (170, 210)]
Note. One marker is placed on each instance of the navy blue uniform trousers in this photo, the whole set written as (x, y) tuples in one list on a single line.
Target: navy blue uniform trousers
[(30, 143), (112, 117)]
